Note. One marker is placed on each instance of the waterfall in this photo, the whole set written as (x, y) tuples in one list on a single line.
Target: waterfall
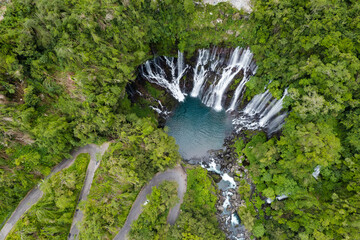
[(214, 71), (316, 172), (276, 124), (200, 71), (239, 60), (237, 93), (214, 76), (161, 109), (272, 110), (258, 103), (241, 86), (263, 111), (154, 73)]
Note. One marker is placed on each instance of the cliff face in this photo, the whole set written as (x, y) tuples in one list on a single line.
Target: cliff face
[(239, 4), (2, 12)]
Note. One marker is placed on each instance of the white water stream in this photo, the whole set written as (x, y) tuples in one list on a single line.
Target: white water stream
[(153, 72)]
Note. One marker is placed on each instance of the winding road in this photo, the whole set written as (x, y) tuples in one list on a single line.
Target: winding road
[(90, 172), (176, 174), (35, 194)]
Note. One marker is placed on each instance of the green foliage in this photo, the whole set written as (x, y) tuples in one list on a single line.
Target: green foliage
[(154, 92), (311, 47), (258, 230), (141, 151), (239, 146), (197, 219), (52, 216), (247, 215), (63, 70), (64, 66), (151, 223)]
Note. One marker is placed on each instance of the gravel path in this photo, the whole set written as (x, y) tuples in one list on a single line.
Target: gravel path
[(239, 4), (176, 174), (35, 194)]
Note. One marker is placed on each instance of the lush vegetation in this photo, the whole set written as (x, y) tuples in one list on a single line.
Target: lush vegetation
[(151, 223), (52, 216), (141, 151), (313, 48), (63, 70), (64, 66), (197, 218)]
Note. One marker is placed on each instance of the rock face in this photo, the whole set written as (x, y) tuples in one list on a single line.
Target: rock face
[(239, 4), (163, 105), (2, 12)]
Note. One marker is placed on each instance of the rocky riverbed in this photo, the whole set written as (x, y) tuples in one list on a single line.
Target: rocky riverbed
[(229, 199)]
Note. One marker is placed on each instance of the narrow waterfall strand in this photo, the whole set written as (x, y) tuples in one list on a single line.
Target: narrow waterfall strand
[(273, 111), (240, 88), (200, 72), (258, 103), (237, 62), (237, 93), (158, 76)]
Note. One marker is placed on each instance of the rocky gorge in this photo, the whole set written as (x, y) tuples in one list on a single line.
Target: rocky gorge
[(217, 77)]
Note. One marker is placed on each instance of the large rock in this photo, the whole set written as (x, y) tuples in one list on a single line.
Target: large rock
[(239, 4)]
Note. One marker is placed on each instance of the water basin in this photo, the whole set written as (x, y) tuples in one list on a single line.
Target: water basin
[(198, 128)]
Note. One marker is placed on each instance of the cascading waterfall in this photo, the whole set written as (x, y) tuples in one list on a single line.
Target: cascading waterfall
[(154, 73), (161, 110), (237, 93), (200, 71), (213, 78), (241, 87), (262, 112), (239, 60), (272, 110)]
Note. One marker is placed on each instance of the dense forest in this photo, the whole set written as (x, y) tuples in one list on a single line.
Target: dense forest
[(52, 216), (64, 67), (313, 48), (141, 151), (197, 219)]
